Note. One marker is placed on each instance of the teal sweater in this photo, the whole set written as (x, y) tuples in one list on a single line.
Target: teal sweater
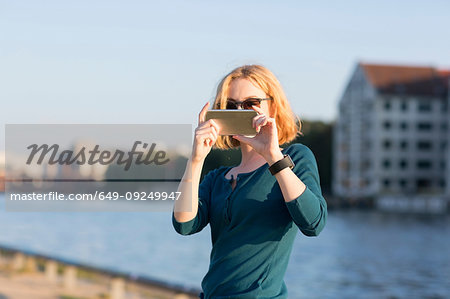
[(253, 228)]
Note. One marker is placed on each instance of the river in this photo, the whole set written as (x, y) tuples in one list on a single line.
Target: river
[(359, 254)]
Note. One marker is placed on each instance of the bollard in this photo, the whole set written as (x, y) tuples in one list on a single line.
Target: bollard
[(70, 277), (51, 271), (18, 261), (117, 288), (30, 264)]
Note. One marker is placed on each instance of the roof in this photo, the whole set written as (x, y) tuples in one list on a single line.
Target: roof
[(445, 75), (410, 80)]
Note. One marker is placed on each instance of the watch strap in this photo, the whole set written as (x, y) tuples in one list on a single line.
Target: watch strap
[(281, 164)]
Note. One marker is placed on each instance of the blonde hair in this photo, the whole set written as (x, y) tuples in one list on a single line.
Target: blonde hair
[(288, 124)]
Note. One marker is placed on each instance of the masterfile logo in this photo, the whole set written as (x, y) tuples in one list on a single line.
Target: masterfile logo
[(64, 167), (53, 155)]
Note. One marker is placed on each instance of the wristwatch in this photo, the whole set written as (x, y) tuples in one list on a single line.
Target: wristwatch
[(281, 164)]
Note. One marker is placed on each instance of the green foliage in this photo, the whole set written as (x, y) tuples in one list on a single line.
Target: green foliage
[(318, 136), (217, 158)]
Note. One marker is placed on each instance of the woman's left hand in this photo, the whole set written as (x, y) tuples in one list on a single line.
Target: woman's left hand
[(265, 142)]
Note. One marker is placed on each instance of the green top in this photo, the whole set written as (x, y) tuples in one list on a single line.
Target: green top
[(253, 228)]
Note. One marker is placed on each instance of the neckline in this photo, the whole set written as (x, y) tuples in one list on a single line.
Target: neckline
[(243, 174)]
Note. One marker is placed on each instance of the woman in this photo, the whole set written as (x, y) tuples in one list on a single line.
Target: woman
[(255, 208)]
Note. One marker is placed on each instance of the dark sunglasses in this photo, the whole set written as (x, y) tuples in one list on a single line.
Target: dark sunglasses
[(247, 104)]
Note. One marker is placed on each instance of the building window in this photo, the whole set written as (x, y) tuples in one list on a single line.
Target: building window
[(386, 183), (345, 128), (367, 144), (423, 183), (403, 164), (387, 144), (424, 164), (386, 163), (345, 183), (403, 183), (365, 165), (442, 183), (443, 164), (424, 106), (424, 126), (424, 145), (444, 105), (404, 106), (343, 165), (404, 144), (444, 127), (387, 105), (404, 126), (367, 125), (387, 125), (444, 145), (363, 183)]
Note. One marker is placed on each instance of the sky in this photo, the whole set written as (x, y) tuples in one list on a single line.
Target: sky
[(153, 62)]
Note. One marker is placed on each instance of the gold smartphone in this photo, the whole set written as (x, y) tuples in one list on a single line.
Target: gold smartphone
[(233, 122)]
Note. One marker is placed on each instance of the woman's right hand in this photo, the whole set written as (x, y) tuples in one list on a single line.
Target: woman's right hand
[(205, 136)]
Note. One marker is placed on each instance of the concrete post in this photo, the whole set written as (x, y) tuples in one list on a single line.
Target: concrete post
[(18, 261), (30, 264), (51, 271), (70, 277), (117, 288)]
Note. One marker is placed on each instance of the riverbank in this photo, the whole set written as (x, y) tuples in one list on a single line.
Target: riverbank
[(30, 275)]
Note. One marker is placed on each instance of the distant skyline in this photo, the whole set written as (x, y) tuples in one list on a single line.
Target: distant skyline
[(160, 61)]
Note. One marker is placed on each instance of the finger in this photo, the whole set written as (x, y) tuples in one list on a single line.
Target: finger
[(201, 135), (205, 124), (210, 139), (202, 114), (256, 118), (271, 121), (259, 120), (215, 125), (272, 125), (207, 136), (260, 123), (206, 130), (243, 139), (258, 109), (214, 134), (213, 139)]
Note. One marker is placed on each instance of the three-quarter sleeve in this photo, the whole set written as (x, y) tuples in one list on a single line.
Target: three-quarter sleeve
[(309, 210), (197, 223)]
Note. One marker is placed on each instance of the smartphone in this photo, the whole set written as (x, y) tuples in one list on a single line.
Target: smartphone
[(233, 122)]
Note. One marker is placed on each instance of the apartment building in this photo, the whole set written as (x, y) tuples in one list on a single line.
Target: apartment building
[(392, 135)]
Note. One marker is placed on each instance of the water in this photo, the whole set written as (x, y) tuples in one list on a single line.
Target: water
[(358, 255)]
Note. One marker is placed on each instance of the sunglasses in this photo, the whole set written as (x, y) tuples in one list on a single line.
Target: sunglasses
[(247, 104)]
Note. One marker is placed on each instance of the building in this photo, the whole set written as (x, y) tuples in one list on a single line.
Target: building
[(392, 137)]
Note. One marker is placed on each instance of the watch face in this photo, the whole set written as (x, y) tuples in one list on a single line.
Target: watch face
[(291, 162)]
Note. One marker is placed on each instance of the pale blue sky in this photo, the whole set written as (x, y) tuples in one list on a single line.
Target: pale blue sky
[(159, 61)]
